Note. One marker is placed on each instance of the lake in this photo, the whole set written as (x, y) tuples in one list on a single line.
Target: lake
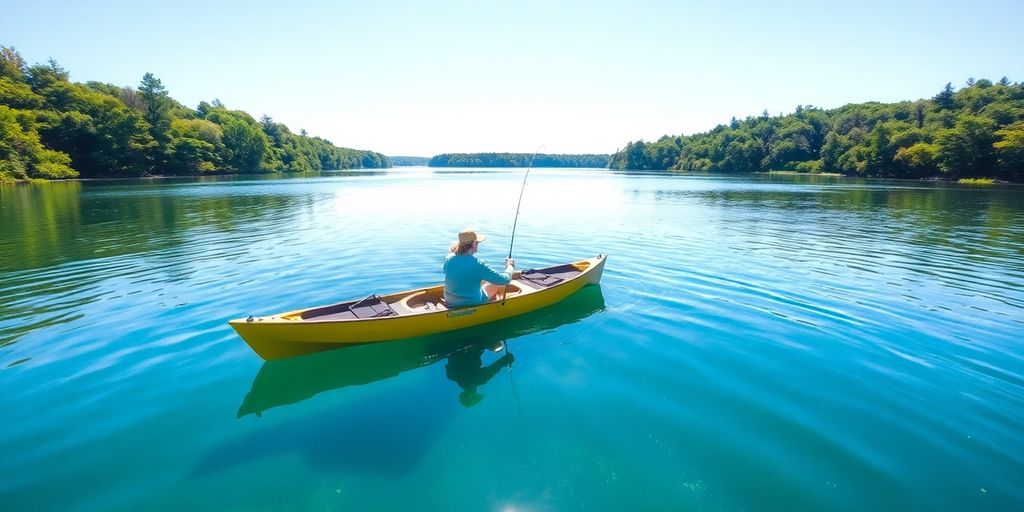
[(757, 343)]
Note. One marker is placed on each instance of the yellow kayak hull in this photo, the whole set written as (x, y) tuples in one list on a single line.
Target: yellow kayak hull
[(413, 313)]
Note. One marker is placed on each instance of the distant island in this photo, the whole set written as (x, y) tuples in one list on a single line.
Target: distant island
[(974, 132), (518, 160), (406, 161), (52, 128)]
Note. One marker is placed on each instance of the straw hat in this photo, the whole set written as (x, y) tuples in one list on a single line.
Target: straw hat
[(468, 236)]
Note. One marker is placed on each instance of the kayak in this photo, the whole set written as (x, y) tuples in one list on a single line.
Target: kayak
[(408, 314)]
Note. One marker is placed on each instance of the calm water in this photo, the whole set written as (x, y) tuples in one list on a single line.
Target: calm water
[(757, 343)]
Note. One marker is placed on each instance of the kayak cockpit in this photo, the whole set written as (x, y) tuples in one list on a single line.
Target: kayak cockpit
[(432, 299)]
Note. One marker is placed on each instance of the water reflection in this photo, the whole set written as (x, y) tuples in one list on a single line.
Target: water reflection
[(70, 222), (467, 369), (54, 223), (291, 381)]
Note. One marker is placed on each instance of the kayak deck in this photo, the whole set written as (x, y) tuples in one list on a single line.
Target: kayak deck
[(430, 299)]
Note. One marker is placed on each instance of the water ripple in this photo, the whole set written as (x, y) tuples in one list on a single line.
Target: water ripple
[(850, 343)]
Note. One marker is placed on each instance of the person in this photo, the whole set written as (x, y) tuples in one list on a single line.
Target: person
[(468, 281)]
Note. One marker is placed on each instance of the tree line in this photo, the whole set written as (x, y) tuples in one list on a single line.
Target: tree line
[(52, 128), (408, 160), (517, 160), (974, 132)]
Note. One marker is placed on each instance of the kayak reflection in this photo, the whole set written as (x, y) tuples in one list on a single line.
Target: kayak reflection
[(290, 381)]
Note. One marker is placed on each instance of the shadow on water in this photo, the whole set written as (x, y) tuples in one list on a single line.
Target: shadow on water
[(390, 432), (291, 381), (387, 433)]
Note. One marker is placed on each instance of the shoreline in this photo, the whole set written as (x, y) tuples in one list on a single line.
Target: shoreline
[(799, 173), (932, 179), (32, 181)]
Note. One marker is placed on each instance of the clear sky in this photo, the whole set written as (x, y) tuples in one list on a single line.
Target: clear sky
[(422, 78)]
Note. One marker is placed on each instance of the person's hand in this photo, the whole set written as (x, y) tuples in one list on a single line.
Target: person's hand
[(517, 275)]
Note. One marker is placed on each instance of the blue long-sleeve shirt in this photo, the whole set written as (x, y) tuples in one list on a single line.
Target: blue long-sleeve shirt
[(462, 276)]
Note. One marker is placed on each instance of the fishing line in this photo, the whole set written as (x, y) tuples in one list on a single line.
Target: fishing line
[(512, 384)]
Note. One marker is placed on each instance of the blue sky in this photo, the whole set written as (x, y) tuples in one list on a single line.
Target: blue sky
[(422, 78)]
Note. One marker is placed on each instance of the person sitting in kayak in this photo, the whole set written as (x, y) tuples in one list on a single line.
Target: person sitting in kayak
[(469, 281)]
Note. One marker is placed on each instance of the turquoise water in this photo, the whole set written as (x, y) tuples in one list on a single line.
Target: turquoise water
[(756, 343)]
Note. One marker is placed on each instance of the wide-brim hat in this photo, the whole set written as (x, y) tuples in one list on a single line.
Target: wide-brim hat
[(468, 236)]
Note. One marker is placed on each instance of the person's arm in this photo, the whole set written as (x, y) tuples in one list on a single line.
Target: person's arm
[(510, 268), (491, 276)]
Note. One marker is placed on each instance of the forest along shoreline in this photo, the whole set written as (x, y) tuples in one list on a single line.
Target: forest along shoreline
[(975, 133), (55, 129)]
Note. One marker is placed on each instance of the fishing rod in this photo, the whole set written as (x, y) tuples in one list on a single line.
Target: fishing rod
[(504, 296), (518, 204), (516, 221)]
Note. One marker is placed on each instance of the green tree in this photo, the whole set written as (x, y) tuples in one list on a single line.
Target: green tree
[(633, 156), (944, 99), (156, 100), (19, 95), (201, 129), (966, 150), (273, 130), (245, 146), (190, 156), (790, 143), (1009, 150), (40, 76), (664, 153), (920, 159), (22, 154), (101, 135), (836, 145), (12, 66), (203, 109)]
